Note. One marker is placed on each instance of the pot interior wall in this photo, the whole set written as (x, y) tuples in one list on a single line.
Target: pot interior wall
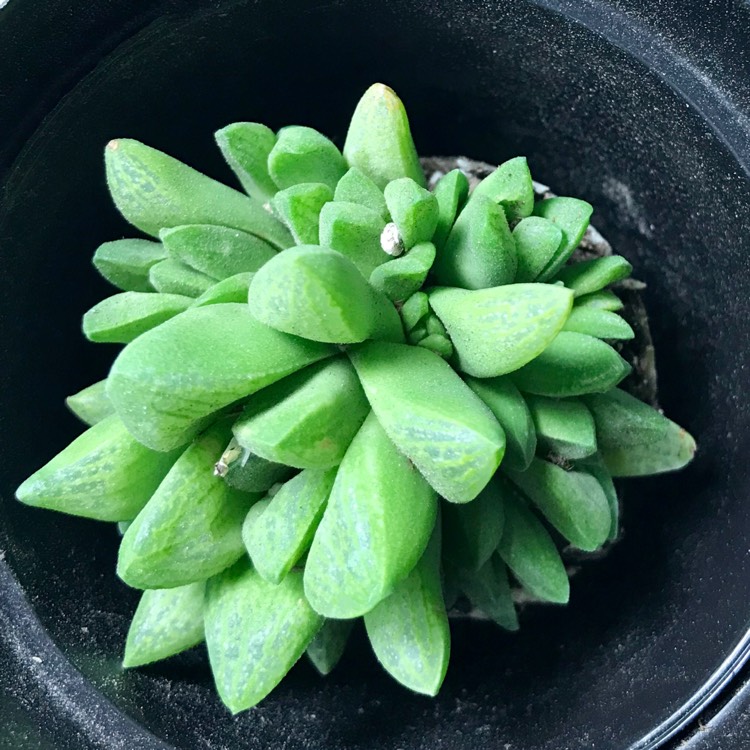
[(649, 625)]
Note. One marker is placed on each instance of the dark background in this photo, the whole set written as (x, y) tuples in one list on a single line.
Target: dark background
[(641, 110)]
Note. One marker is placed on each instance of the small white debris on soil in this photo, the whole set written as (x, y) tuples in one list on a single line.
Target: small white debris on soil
[(36, 659), (390, 240)]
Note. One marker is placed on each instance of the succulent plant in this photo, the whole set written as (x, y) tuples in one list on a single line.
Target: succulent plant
[(344, 395)]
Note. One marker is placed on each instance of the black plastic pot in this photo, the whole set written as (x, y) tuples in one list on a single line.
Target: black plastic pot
[(644, 111)]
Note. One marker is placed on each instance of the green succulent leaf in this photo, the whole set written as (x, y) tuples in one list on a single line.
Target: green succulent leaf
[(354, 231), (488, 589), (471, 532), (401, 277), (509, 407), (594, 465), (511, 186), (377, 524), (432, 416), (564, 427), (572, 501), (284, 531), (572, 365), (537, 242), (528, 550), (218, 252), (153, 191), (317, 293), (233, 289), (126, 263), (191, 528), (379, 141), (173, 277), (480, 251), (306, 420), (253, 516), (302, 154), (299, 207), (603, 300), (451, 192), (103, 474), (599, 323), (255, 632), (356, 187), (590, 276), (496, 331), (438, 343), (123, 317), (246, 146), (91, 405), (572, 216), (166, 622), (327, 648), (416, 307), (409, 629), (635, 439), (414, 210), (167, 383), (251, 473)]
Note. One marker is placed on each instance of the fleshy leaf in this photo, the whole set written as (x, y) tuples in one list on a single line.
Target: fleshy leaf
[(302, 154), (317, 293), (169, 381), (603, 300), (509, 407), (572, 365), (91, 405), (496, 331), (537, 241), (572, 501), (401, 277), (103, 474), (635, 439), (377, 524), (488, 589), (471, 532), (299, 207), (595, 466), (233, 289), (218, 252), (246, 146), (284, 531), (255, 632), (306, 420), (438, 343), (414, 310), (191, 528), (480, 251), (172, 277), (123, 317), (327, 648), (451, 192), (528, 550), (564, 427), (126, 263), (432, 416), (409, 629), (590, 276), (356, 187), (599, 323), (251, 473), (414, 211), (511, 186), (166, 622), (153, 191), (354, 231), (572, 216), (379, 140)]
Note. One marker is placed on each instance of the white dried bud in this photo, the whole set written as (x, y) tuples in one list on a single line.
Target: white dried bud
[(390, 240)]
